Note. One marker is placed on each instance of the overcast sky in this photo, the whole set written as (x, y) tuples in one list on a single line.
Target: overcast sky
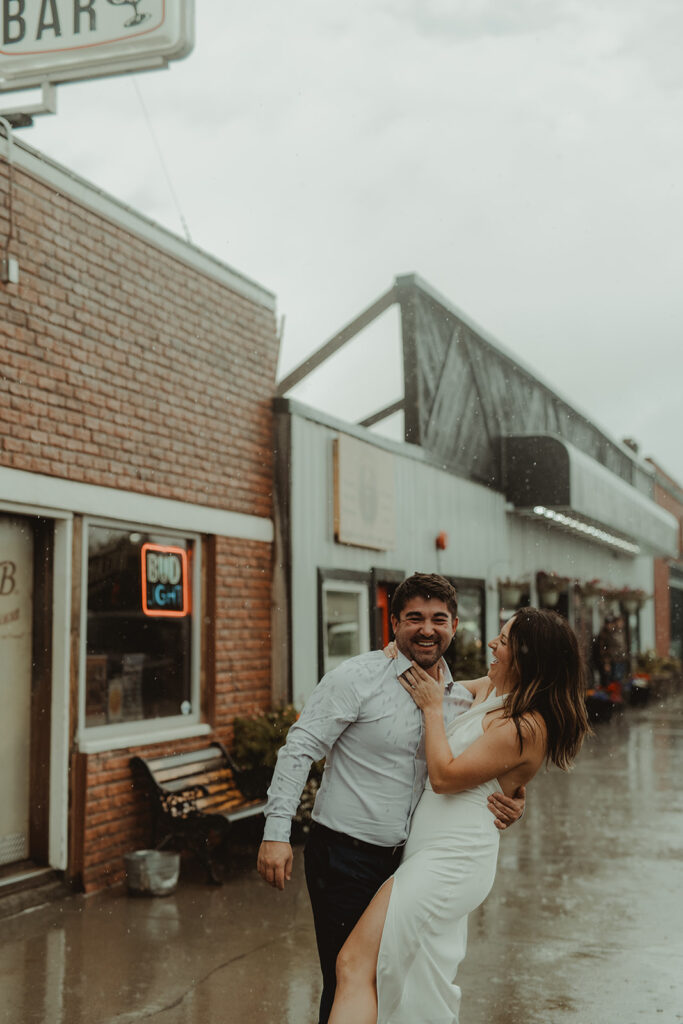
[(525, 158)]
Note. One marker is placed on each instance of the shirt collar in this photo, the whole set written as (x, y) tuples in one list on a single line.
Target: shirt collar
[(401, 663)]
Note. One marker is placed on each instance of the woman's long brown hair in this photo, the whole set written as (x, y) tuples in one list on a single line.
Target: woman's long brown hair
[(549, 678)]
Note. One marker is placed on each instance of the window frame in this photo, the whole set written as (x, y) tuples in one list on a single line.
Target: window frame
[(477, 584), (349, 581), (122, 734)]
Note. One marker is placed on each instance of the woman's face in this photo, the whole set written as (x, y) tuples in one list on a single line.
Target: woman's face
[(501, 666)]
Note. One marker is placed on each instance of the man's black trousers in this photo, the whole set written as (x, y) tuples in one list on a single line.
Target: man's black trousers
[(342, 874)]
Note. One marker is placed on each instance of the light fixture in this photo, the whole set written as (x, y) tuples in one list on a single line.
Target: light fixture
[(591, 532)]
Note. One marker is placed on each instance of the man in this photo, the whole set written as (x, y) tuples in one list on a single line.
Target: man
[(613, 650), (370, 732)]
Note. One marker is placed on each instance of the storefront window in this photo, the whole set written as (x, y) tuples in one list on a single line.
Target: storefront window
[(345, 624), (467, 654), (138, 663)]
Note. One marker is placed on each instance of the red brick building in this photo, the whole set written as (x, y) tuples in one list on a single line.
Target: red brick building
[(136, 377), (668, 573)]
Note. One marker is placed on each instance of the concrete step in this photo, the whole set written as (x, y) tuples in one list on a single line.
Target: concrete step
[(28, 887)]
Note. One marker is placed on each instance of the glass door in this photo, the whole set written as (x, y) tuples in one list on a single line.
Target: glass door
[(16, 654)]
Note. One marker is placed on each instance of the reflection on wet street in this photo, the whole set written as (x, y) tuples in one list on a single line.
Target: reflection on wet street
[(233, 954), (582, 926)]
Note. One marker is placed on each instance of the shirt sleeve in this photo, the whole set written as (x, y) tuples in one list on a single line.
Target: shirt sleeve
[(334, 704)]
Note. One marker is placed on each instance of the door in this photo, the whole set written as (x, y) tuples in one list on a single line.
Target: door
[(16, 655), (383, 586)]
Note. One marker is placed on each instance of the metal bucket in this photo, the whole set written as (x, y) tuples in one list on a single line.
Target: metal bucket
[(152, 872)]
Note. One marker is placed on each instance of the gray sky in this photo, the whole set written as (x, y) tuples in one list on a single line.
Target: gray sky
[(525, 158)]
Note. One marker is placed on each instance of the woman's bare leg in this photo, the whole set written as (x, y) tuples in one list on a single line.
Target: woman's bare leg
[(355, 1000)]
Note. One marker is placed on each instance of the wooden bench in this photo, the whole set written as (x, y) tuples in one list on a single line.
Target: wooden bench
[(195, 799)]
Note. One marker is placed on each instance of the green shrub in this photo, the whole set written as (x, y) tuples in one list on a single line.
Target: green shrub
[(257, 739)]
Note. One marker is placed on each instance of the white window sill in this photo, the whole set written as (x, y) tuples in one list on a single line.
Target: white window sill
[(140, 738)]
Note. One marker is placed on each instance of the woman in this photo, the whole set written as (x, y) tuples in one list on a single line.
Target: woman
[(399, 963)]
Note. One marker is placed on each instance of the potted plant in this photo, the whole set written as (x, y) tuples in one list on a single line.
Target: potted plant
[(511, 591), (591, 591), (550, 586), (257, 739), (632, 598)]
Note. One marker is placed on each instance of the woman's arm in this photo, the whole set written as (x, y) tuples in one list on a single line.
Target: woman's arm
[(493, 755)]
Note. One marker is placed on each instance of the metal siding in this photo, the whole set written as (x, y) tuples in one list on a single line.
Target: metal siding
[(428, 500), (484, 540)]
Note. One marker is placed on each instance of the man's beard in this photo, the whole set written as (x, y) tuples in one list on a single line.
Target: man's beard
[(425, 658)]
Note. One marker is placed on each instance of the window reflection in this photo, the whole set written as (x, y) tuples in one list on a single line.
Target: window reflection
[(467, 654), (138, 665), (345, 622)]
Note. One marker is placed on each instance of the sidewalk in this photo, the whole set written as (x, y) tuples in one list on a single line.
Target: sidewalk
[(229, 955), (582, 925)]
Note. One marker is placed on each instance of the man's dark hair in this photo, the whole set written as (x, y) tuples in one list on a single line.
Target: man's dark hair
[(427, 586)]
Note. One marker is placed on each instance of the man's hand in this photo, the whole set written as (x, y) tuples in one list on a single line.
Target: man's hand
[(274, 863), (507, 809)]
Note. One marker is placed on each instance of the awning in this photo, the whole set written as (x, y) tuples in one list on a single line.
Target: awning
[(546, 477)]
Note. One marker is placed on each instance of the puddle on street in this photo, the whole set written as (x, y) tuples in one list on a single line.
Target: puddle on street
[(582, 925)]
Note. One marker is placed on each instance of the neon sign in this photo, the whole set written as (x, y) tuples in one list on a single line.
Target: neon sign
[(165, 589)]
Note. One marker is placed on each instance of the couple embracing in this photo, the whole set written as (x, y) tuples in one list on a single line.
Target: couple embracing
[(421, 775)]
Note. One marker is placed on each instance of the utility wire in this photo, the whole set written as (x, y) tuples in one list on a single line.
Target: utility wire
[(162, 161)]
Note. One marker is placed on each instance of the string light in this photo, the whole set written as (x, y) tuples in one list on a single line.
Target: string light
[(592, 532)]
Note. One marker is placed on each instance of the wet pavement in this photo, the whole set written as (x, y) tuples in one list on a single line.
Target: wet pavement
[(583, 925)]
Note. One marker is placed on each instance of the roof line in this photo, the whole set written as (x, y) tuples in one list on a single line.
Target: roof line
[(406, 280), (47, 170)]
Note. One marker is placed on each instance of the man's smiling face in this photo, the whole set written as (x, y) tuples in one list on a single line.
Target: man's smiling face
[(424, 630)]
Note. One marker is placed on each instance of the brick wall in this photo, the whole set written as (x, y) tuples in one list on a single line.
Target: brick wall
[(116, 815), (122, 366), (669, 494), (113, 810), (243, 617), (662, 608)]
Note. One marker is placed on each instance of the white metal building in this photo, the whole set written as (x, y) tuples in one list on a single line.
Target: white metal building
[(498, 481)]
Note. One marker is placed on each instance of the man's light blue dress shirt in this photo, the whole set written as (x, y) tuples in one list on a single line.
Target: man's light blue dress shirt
[(370, 731)]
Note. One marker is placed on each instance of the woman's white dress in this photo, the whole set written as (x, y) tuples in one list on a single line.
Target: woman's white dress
[(447, 870)]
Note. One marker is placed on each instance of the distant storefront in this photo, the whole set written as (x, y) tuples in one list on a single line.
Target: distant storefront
[(668, 593), (499, 485), (135, 514)]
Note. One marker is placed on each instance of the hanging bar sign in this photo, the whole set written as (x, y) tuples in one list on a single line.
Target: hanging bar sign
[(68, 40), (165, 590)]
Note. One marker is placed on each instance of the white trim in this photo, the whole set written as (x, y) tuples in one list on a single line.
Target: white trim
[(141, 739), (360, 589), (23, 489), (196, 631), (66, 182), (34, 510), (61, 662)]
